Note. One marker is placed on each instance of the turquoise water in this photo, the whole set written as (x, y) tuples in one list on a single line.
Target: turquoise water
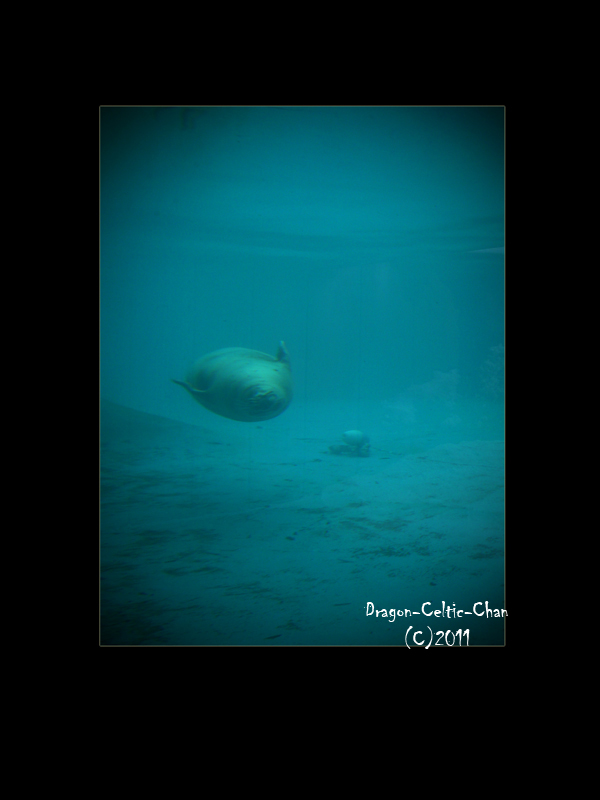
[(370, 240)]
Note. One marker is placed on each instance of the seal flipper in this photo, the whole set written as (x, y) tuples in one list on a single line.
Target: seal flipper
[(190, 389), (282, 354)]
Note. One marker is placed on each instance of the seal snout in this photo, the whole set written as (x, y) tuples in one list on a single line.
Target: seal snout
[(262, 401)]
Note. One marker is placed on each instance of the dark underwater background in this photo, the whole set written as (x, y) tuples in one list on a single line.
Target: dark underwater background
[(371, 241)]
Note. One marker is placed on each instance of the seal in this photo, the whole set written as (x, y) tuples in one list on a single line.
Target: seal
[(245, 385)]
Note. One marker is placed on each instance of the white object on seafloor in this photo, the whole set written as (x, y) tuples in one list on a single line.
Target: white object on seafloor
[(356, 439)]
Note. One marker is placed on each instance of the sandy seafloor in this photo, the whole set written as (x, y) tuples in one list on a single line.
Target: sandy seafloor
[(227, 533)]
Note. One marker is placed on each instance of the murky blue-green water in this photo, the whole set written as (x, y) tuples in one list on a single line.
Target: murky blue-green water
[(370, 240)]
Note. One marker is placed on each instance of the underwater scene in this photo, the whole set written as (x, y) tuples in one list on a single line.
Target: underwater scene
[(302, 376)]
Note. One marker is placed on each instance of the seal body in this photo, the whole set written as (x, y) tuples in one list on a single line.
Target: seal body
[(242, 384)]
